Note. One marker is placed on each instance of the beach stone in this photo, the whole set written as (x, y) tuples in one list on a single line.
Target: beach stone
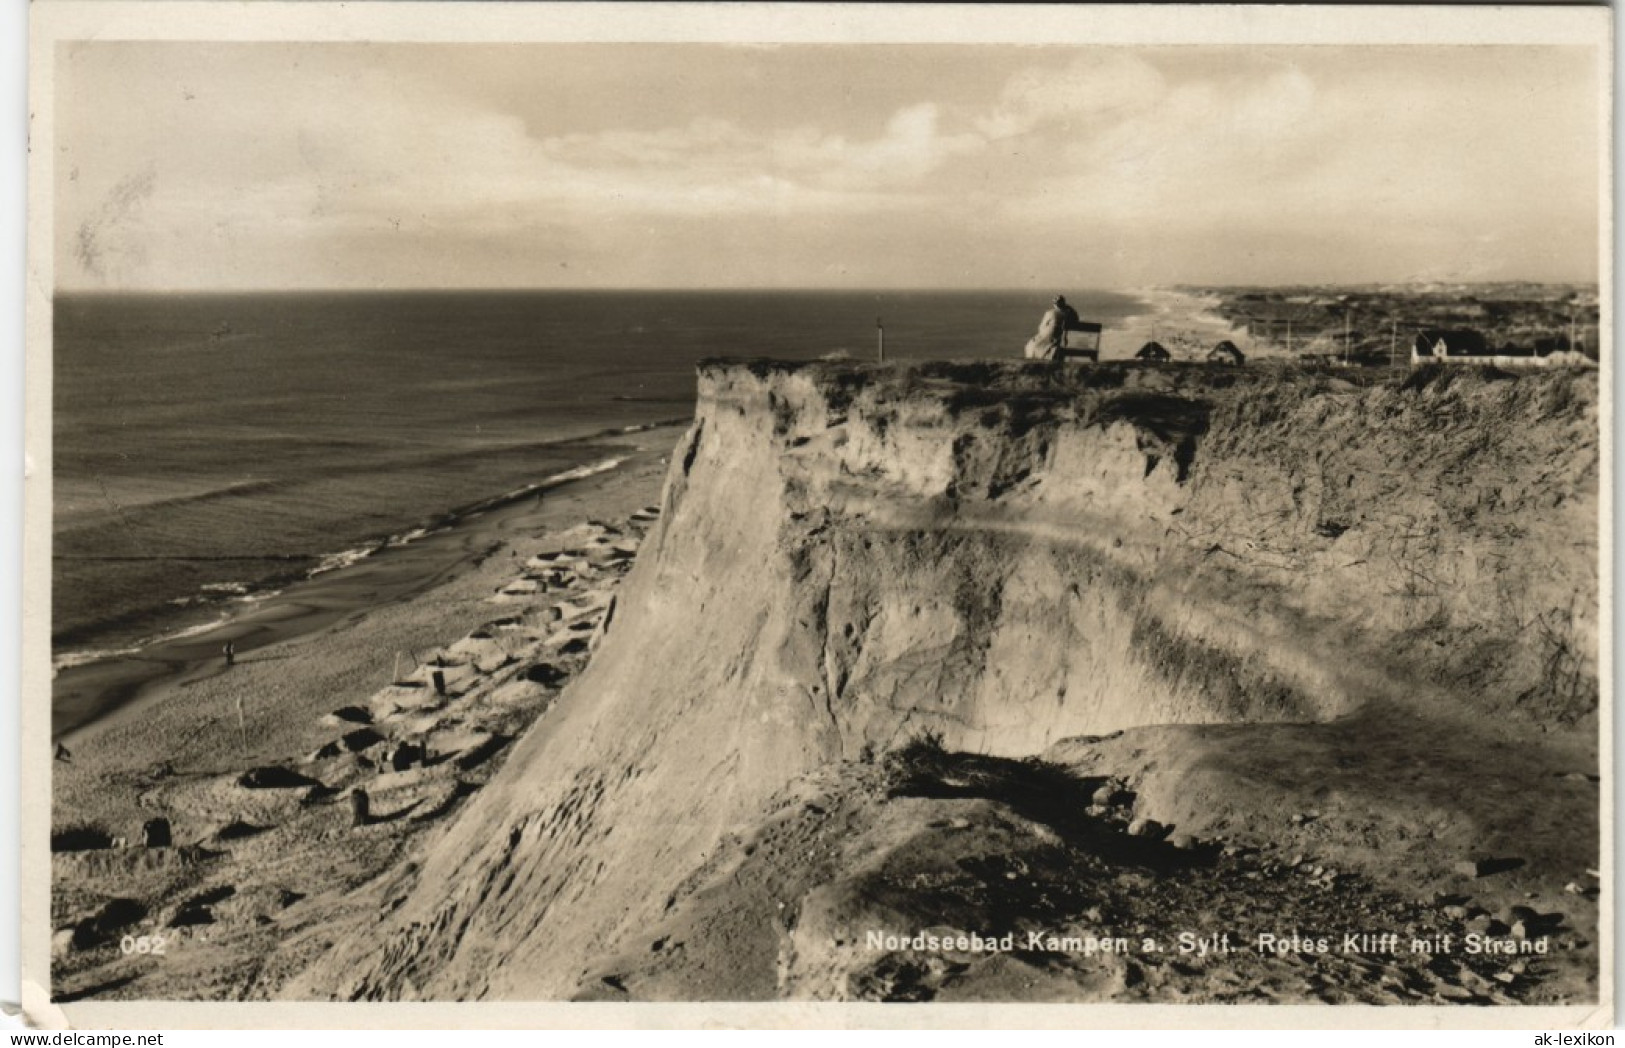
[(274, 777), (155, 833), (348, 715), (361, 739), (316, 792), (237, 830), (479, 754), (546, 674), (1182, 841), (1145, 828), (81, 838), (422, 724), (1471, 867), (1484, 924), (84, 935), (360, 813), (404, 756), (114, 916), (326, 752), (191, 915)]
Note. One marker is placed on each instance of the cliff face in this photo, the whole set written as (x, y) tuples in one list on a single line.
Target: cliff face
[(1006, 556)]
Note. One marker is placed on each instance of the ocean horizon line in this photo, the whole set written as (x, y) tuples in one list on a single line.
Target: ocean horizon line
[(361, 292)]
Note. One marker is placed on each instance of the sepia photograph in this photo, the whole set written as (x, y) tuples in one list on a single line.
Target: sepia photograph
[(763, 504)]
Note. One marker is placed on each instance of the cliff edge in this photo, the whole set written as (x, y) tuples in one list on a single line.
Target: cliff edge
[(1113, 652)]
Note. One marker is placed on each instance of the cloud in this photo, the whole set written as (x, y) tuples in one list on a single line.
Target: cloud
[(1102, 85), (712, 163), (246, 168), (1361, 158), (1161, 163)]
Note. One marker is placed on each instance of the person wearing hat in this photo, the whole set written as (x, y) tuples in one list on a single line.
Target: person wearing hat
[(1052, 329), (1066, 318)]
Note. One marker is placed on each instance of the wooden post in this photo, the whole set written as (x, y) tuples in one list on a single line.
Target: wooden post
[(1393, 342), (882, 332), (360, 808), (1345, 336)]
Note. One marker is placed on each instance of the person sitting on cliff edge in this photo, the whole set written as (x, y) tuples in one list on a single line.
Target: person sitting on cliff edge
[(1052, 328)]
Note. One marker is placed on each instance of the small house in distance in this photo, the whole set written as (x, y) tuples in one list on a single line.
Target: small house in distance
[(1436, 344), (1439, 346), (1226, 353), (1153, 351)]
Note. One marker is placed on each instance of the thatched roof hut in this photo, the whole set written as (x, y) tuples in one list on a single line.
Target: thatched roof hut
[(1153, 351), (1226, 353)]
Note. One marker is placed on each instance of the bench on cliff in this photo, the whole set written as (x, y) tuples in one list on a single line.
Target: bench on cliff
[(1087, 348)]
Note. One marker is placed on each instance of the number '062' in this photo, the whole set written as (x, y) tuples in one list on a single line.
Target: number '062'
[(142, 944)]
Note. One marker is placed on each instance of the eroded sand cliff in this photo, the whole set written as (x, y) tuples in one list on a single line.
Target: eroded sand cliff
[(1347, 628)]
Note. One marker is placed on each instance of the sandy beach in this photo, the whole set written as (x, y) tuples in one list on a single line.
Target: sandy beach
[(1184, 321), (253, 765)]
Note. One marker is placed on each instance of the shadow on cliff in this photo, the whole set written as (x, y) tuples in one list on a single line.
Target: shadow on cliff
[(1047, 794)]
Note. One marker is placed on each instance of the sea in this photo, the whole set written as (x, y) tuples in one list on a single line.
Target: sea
[(210, 449)]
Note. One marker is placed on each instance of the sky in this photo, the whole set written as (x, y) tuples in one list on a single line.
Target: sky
[(246, 166)]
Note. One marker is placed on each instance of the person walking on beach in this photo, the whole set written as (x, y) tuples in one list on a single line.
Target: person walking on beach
[(230, 651)]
